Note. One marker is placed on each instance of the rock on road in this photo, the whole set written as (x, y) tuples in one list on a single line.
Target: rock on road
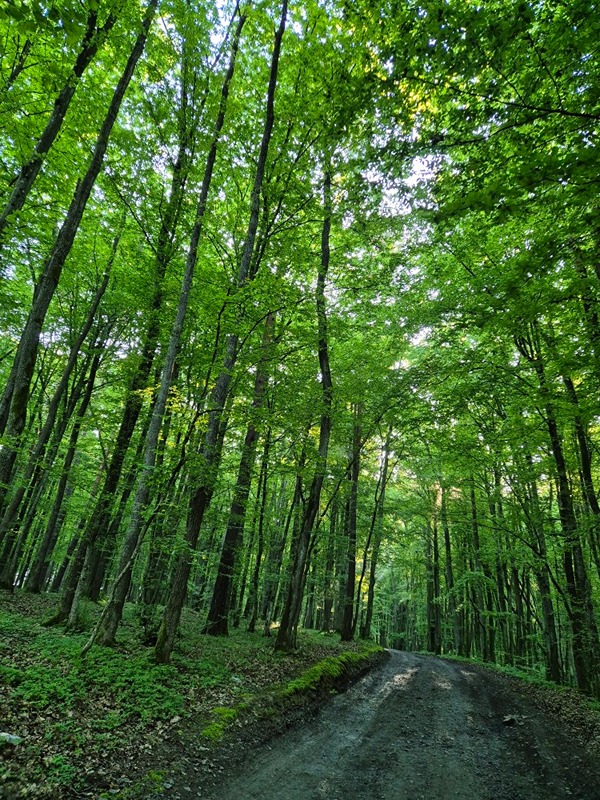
[(419, 728)]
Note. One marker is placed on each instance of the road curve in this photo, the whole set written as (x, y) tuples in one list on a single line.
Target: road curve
[(420, 728)]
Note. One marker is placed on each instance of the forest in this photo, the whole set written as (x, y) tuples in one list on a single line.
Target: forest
[(300, 322)]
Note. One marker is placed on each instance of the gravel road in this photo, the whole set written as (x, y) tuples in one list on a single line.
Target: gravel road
[(419, 728)]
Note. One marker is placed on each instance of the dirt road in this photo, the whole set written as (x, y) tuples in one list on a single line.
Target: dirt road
[(420, 728)]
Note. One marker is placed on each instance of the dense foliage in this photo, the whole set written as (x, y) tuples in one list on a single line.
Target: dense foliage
[(299, 320)]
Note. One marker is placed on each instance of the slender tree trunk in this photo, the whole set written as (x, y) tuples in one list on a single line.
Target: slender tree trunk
[(481, 620), (309, 610), (15, 531), (18, 64), (112, 613), (500, 575), (341, 561), (519, 611), (213, 441), (348, 619), (32, 484), (13, 408), (542, 572), (434, 636), (241, 604), (585, 643), (378, 531), (153, 583), (39, 448), (587, 481), (485, 595), (590, 311), (93, 39), (286, 637), (326, 622), (274, 568), (217, 624), (430, 592), (36, 576), (102, 530), (253, 599), (58, 577), (457, 638)]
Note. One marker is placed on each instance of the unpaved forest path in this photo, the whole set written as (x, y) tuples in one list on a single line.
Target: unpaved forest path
[(419, 728)]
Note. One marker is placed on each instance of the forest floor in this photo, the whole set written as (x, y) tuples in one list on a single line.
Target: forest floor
[(422, 728), (230, 719), (113, 724)]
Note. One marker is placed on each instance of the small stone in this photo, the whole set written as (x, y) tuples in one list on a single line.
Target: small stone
[(509, 720), (10, 738)]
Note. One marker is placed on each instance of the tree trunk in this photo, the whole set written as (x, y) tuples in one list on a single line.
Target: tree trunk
[(326, 621), (456, 630), (477, 589), (35, 578), (274, 567), (379, 532), (39, 448), (217, 624), (587, 481), (347, 632), (18, 64), (286, 636), (253, 600), (214, 435), (153, 583), (542, 572), (13, 410), (585, 643), (434, 626), (93, 38), (111, 616), (16, 531), (241, 602)]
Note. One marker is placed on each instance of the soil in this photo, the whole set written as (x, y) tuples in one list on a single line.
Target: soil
[(421, 728)]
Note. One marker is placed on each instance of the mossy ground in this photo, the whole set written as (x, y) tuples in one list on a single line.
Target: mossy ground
[(103, 723)]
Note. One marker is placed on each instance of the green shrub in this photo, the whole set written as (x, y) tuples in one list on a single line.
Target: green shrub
[(11, 676)]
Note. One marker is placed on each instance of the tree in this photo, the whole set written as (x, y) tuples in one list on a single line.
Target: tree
[(211, 453)]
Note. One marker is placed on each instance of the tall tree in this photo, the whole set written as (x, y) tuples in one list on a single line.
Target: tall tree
[(13, 406), (286, 636), (114, 609), (211, 451)]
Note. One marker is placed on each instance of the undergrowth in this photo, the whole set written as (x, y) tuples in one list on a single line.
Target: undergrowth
[(97, 720)]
